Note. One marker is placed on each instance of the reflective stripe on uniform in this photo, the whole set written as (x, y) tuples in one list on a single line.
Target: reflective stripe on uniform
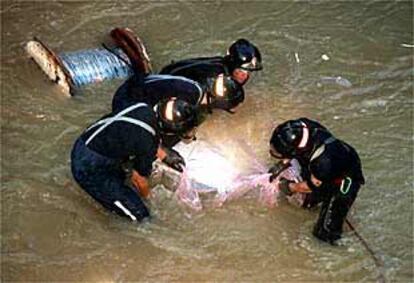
[(200, 62), (138, 123), (321, 148), (327, 219), (318, 152), (155, 78), (125, 210), (119, 117)]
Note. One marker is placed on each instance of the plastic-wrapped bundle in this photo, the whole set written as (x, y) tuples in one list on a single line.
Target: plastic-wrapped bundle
[(187, 191), (95, 65), (187, 194), (210, 174), (268, 191)]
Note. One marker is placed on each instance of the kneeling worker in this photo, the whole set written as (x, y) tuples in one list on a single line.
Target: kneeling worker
[(131, 135), (331, 170), (222, 93)]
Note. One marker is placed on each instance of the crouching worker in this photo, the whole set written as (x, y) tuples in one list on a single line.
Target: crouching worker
[(131, 135), (241, 60), (222, 93), (331, 170)]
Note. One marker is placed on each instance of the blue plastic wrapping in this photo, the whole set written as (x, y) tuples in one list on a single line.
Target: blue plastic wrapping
[(95, 65)]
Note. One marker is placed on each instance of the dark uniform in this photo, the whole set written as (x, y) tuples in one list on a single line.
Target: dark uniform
[(153, 88), (100, 152), (331, 161), (199, 69), (241, 54)]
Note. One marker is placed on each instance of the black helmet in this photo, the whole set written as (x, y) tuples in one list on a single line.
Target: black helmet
[(290, 138), (224, 93), (176, 116), (244, 55)]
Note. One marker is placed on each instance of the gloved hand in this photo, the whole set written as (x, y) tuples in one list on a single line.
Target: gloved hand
[(174, 160), (276, 169), (284, 186), (141, 184)]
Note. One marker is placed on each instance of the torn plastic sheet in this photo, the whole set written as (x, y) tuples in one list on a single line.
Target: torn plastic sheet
[(211, 178)]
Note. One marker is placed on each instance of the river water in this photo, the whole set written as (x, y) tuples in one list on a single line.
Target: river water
[(51, 231)]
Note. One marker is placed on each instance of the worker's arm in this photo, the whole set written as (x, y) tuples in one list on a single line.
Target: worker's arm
[(305, 187), (171, 157), (301, 187), (161, 153)]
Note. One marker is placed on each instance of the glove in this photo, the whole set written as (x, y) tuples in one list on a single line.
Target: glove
[(276, 169), (284, 186), (174, 160), (141, 184)]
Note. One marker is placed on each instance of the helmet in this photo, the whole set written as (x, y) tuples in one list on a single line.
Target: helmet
[(244, 55), (224, 92), (176, 116), (290, 138)]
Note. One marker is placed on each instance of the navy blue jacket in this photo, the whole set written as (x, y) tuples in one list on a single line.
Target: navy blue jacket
[(154, 88), (329, 159), (130, 134), (198, 69)]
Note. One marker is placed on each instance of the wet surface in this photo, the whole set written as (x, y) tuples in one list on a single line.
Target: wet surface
[(51, 231)]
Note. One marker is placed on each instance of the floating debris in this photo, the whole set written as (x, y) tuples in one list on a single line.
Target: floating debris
[(336, 80), (297, 57), (325, 57)]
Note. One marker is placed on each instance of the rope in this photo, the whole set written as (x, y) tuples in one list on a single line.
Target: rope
[(378, 263)]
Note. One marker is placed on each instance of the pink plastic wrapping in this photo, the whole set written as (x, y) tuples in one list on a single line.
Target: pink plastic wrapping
[(211, 179), (188, 194), (267, 192)]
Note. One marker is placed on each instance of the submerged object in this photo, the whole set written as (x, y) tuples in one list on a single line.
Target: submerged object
[(95, 65), (51, 64), (72, 70), (211, 178), (336, 80)]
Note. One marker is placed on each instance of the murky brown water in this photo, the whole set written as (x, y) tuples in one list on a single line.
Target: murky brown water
[(52, 232)]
